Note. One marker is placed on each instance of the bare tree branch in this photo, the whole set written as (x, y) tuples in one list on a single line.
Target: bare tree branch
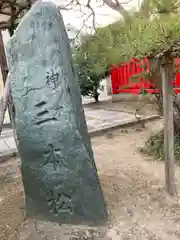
[(92, 13), (118, 6)]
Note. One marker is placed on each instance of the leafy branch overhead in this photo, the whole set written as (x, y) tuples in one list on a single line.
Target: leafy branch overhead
[(11, 11), (121, 41)]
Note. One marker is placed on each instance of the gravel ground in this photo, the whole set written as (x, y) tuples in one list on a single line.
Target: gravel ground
[(133, 186), (128, 107)]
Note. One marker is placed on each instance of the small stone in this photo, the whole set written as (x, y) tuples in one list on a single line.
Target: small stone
[(124, 130), (129, 212), (112, 235), (109, 135)]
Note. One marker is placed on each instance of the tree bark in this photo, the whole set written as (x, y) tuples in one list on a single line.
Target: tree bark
[(166, 71), (96, 97), (7, 100), (4, 103)]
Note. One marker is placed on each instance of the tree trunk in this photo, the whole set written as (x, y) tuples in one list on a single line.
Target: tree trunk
[(96, 97), (176, 110), (4, 103), (11, 31), (117, 6), (7, 100), (159, 102)]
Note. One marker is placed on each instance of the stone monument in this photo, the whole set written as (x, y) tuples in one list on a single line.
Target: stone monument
[(57, 163)]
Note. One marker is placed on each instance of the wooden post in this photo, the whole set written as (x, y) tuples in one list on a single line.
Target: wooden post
[(166, 74), (3, 62), (4, 70)]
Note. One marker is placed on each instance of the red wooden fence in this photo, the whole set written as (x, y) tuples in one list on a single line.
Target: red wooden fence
[(121, 77)]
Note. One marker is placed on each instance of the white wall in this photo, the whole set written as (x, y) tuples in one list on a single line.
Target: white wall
[(106, 82)]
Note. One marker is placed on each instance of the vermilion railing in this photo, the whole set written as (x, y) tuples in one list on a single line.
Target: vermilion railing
[(121, 77)]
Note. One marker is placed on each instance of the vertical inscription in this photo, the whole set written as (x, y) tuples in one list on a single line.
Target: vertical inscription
[(52, 79), (54, 156), (59, 203), (43, 114)]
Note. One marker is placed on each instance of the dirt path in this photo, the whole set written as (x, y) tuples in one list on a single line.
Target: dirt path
[(133, 189)]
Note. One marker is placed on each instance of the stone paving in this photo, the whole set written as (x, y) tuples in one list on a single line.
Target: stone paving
[(97, 119), (7, 143)]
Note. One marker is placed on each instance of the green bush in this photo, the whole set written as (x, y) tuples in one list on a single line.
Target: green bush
[(154, 146)]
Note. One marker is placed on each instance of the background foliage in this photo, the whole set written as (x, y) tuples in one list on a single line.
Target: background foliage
[(120, 42)]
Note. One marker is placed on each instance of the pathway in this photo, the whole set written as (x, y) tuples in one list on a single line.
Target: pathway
[(97, 120), (133, 189)]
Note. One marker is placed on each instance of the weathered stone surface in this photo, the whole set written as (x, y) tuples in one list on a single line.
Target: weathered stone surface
[(58, 170)]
